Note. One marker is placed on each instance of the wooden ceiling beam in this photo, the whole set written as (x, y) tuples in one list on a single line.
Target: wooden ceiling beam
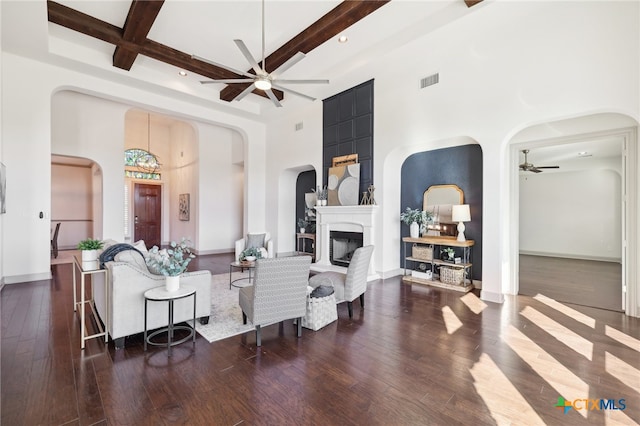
[(470, 3), (141, 16), (331, 24)]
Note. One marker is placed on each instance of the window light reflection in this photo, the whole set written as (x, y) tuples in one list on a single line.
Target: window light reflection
[(622, 371), (495, 388), (547, 367), (559, 332), (572, 313), (473, 303), (623, 338), (451, 321)]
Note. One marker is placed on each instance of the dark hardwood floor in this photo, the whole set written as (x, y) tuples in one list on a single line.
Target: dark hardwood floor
[(415, 356), (582, 282)]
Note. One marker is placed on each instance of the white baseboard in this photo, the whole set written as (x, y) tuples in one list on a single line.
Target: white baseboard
[(571, 256), (27, 278), (490, 296), (217, 251)]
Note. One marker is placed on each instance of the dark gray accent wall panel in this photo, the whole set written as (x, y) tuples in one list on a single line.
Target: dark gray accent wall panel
[(460, 165), (348, 129)]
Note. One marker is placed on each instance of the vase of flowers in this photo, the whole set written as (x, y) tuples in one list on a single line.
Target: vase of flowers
[(250, 255), (416, 219), (171, 262)]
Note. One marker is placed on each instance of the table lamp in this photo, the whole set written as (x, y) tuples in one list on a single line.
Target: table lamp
[(460, 213)]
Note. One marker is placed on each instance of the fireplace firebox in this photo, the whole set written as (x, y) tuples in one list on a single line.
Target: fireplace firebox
[(342, 245)]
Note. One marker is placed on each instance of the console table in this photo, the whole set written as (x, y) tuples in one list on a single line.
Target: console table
[(90, 268), (462, 267)]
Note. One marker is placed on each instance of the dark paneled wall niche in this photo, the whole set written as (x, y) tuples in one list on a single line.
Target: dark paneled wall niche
[(306, 182), (348, 129), (460, 165)]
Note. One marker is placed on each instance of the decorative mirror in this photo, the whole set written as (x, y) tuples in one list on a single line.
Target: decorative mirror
[(439, 200)]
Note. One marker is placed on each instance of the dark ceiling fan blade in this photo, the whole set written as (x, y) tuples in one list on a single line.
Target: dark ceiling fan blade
[(273, 98), (229, 81), (280, 81), (245, 92), (288, 64), (547, 167), (286, 90), (248, 56), (199, 58)]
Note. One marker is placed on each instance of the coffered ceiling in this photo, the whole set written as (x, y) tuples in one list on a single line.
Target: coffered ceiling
[(150, 42)]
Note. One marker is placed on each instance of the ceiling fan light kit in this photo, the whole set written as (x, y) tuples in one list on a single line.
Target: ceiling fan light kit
[(262, 79)]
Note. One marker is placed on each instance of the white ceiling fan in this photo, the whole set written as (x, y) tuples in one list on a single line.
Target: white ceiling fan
[(262, 79)]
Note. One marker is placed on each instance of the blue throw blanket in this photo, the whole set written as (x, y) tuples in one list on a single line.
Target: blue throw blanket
[(109, 253)]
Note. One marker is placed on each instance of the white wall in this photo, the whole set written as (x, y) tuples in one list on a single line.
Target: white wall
[(71, 203), (502, 68), (92, 128), (574, 214)]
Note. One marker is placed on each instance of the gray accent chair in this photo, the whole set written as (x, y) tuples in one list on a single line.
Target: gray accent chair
[(351, 285), (278, 293)]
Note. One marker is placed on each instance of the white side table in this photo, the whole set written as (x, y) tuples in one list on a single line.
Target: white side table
[(90, 268), (160, 294)]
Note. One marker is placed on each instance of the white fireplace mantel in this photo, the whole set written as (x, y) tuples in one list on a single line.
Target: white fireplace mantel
[(345, 219)]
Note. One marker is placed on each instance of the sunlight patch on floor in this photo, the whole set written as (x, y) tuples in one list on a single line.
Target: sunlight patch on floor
[(565, 382), (623, 338), (451, 321), (506, 404), (571, 313), (622, 371), (473, 303), (560, 332), (617, 418)]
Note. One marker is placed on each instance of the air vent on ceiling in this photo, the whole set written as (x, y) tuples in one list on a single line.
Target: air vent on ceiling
[(429, 81), (299, 126)]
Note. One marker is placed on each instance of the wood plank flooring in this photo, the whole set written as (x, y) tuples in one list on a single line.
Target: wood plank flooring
[(414, 356), (583, 282)]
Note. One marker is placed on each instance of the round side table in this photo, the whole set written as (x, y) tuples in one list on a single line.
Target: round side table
[(160, 294)]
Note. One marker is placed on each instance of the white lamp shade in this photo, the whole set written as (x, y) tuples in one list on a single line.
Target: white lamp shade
[(460, 213)]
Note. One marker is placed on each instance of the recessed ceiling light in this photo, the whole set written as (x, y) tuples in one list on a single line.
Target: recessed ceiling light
[(182, 73), (342, 39)]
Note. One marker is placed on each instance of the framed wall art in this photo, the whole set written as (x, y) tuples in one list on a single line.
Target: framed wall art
[(184, 208)]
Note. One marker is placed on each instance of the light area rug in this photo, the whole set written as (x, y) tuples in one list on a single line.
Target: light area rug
[(226, 315)]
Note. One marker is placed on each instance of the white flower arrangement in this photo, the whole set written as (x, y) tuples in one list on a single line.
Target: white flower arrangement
[(172, 261)]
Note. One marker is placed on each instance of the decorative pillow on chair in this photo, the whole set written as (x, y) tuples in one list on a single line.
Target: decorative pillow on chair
[(255, 240), (322, 291), (142, 248)]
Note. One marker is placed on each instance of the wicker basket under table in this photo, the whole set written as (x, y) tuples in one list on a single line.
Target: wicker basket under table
[(450, 275), (320, 312), (422, 252)]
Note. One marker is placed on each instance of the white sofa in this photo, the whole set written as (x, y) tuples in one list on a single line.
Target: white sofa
[(129, 278)]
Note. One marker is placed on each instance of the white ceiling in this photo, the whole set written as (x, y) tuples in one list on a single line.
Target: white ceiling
[(207, 29)]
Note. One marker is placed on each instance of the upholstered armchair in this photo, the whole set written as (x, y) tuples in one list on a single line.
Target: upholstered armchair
[(278, 293), (351, 285), (260, 240)]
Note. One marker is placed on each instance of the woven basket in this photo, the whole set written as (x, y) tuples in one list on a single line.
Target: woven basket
[(453, 276), (320, 312), (422, 252)]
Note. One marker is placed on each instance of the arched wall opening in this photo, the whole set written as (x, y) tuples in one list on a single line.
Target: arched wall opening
[(606, 128), (287, 203)]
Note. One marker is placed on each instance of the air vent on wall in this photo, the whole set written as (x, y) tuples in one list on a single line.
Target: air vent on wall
[(429, 81), (299, 126)]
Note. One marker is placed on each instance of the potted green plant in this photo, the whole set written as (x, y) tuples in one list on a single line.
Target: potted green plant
[(89, 248), (251, 254), (448, 254), (170, 262), (303, 224)]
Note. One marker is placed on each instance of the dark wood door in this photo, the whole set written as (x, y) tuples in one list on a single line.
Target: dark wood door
[(147, 213)]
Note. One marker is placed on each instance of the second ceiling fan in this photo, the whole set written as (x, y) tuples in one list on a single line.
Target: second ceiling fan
[(262, 79), (528, 167)]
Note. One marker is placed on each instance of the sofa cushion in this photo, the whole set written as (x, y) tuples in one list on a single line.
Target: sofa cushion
[(255, 240)]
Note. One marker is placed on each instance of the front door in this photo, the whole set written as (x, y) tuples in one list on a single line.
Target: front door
[(147, 213)]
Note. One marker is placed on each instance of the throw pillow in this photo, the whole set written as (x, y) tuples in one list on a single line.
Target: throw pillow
[(142, 248), (255, 240), (322, 291)]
